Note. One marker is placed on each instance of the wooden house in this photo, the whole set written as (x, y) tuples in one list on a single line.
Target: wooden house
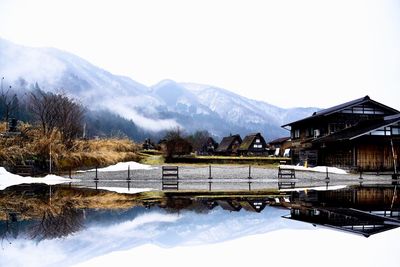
[(229, 145), (360, 134), (279, 146), (253, 144), (209, 147), (175, 147)]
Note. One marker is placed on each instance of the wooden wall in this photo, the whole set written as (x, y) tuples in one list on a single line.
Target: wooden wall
[(376, 156)]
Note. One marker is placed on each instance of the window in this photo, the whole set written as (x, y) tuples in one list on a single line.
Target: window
[(383, 131), (310, 132), (395, 130), (257, 146), (316, 133), (258, 140), (296, 133)]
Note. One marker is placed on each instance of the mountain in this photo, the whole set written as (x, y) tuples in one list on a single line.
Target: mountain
[(205, 104), (160, 107)]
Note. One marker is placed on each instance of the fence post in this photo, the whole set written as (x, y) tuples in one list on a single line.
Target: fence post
[(96, 177), (209, 172), (327, 174), (249, 171), (129, 173)]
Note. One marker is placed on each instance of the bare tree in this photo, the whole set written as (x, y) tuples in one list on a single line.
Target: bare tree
[(57, 112), (8, 102)]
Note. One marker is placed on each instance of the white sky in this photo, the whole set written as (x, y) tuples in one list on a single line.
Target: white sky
[(288, 53)]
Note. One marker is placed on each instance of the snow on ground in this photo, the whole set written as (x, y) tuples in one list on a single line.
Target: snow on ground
[(317, 188), (124, 190), (8, 179), (123, 166), (314, 169)]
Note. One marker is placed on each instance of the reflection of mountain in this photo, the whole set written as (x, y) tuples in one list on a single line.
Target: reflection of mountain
[(155, 108)]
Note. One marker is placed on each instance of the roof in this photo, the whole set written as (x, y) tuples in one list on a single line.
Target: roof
[(279, 140), (227, 142), (360, 129), (249, 139), (335, 109), (348, 220)]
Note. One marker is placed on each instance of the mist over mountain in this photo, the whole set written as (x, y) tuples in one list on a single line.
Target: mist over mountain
[(163, 106)]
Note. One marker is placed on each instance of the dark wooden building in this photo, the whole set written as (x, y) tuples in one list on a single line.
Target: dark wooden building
[(278, 146), (360, 134), (209, 147), (253, 144), (175, 147), (229, 145)]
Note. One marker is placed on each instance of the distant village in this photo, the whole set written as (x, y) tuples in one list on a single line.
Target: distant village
[(360, 135)]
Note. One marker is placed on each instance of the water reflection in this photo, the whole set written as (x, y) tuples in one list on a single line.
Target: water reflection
[(46, 212), (364, 210)]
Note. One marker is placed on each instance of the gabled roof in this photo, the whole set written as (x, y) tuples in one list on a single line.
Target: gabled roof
[(360, 129), (279, 140), (249, 139), (338, 108), (227, 142)]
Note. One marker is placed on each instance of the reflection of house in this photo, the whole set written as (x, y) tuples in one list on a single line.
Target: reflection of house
[(209, 147), (229, 145), (230, 205), (364, 210), (253, 144), (280, 147), (254, 205), (356, 134), (348, 220)]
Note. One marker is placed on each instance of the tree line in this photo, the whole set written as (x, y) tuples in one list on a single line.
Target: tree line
[(51, 111)]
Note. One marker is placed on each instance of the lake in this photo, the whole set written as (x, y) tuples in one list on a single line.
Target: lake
[(327, 223)]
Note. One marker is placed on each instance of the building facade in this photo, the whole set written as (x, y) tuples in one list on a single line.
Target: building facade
[(360, 134)]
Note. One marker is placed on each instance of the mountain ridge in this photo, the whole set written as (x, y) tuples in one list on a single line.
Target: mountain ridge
[(163, 106)]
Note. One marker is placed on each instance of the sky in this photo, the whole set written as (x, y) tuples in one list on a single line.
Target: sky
[(287, 53)]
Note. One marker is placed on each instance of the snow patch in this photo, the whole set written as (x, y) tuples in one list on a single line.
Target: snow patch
[(8, 179), (123, 190), (317, 188), (314, 169), (122, 166)]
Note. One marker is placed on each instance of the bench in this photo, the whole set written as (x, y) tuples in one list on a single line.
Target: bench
[(170, 177)]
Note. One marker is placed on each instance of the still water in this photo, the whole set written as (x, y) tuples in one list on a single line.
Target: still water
[(63, 225)]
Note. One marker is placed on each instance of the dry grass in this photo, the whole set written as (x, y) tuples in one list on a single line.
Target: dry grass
[(31, 144), (33, 207)]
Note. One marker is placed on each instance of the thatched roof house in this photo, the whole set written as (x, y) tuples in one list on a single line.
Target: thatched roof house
[(253, 144), (229, 145)]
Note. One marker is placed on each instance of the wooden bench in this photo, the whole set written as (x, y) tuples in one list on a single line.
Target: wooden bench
[(170, 178), (288, 173)]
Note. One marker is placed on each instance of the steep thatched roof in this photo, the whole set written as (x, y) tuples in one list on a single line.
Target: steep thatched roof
[(227, 142), (249, 140)]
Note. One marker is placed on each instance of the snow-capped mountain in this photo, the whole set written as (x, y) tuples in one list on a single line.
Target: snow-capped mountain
[(211, 102), (159, 107)]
